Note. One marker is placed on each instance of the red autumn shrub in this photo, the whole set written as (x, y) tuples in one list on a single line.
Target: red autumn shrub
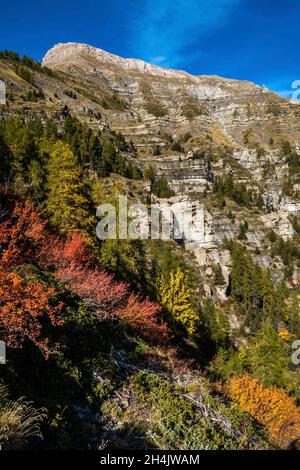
[(59, 252), (98, 288), (142, 316), (73, 267), (23, 237), (21, 234), (94, 285), (22, 305)]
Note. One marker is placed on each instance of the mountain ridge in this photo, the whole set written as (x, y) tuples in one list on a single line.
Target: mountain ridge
[(67, 49), (63, 50)]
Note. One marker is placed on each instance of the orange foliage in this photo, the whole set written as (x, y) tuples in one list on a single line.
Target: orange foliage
[(142, 316), (272, 407), (21, 234), (98, 288), (21, 307), (73, 266), (59, 252)]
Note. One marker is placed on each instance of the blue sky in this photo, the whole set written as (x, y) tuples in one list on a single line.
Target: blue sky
[(256, 40)]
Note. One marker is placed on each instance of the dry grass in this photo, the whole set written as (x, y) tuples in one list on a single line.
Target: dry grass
[(19, 420)]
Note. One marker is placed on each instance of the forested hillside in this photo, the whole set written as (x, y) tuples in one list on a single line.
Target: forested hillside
[(138, 344)]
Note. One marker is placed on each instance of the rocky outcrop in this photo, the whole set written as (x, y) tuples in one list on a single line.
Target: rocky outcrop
[(191, 130), (63, 51), (280, 223)]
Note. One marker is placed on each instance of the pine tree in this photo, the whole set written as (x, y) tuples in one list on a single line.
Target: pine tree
[(126, 258), (108, 155), (156, 151), (161, 188), (5, 159), (268, 295), (50, 129), (95, 150), (175, 297), (25, 74), (292, 315), (149, 174), (246, 291), (245, 278), (219, 278), (66, 202), (36, 127), (36, 178), (243, 231), (268, 357), (215, 322)]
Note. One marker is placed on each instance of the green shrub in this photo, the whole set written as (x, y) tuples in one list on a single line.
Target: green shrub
[(25, 74), (185, 417)]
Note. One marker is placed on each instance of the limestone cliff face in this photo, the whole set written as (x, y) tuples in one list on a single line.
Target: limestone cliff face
[(191, 130), (146, 103), (65, 51), (161, 100), (225, 127)]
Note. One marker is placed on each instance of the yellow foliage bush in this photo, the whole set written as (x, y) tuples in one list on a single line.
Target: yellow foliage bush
[(285, 335), (272, 407), (175, 297)]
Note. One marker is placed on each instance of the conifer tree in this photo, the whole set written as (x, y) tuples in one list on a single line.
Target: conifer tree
[(215, 322), (246, 291), (126, 258), (149, 174), (66, 202), (36, 177), (4, 157), (292, 315), (268, 295), (50, 129), (268, 357), (175, 297), (219, 278)]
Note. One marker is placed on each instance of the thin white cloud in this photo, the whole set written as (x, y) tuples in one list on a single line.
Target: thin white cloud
[(158, 60), (167, 28), (286, 88), (284, 93)]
